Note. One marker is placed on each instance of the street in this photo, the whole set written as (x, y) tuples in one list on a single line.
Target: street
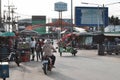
[(86, 65)]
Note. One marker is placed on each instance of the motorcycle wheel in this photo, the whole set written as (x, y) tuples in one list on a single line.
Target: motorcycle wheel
[(45, 69)]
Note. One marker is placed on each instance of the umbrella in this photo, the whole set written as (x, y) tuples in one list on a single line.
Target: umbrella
[(7, 34), (28, 32)]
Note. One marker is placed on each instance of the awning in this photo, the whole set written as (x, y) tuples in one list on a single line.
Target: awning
[(7, 34), (28, 32)]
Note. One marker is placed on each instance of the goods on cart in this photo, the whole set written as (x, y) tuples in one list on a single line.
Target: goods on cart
[(23, 45), (24, 50)]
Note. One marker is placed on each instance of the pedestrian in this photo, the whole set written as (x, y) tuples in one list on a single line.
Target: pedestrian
[(38, 49), (41, 43), (32, 45)]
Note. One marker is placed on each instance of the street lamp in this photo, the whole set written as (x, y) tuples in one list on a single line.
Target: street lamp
[(0, 9), (103, 7), (71, 15)]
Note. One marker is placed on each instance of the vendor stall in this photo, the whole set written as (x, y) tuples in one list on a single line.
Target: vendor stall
[(24, 50), (6, 43)]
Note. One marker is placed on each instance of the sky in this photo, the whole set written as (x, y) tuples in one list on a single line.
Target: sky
[(27, 8)]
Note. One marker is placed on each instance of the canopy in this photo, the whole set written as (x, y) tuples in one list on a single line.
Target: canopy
[(7, 34), (69, 35), (76, 30), (28, 32), (79, 30)]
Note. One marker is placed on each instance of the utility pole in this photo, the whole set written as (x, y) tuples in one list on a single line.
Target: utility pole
[(16, 17), (13, 21), (9, 18), (0, 16), (71, 15)]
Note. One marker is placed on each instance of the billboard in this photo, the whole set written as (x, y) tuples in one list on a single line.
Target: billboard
[(91, 16), (60, 6), (39, 20)]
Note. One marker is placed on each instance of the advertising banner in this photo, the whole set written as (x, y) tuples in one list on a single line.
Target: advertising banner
[(91, 16)]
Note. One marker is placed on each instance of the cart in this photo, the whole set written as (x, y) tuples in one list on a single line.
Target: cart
[(63, 48), (68, 49), (24, 50)]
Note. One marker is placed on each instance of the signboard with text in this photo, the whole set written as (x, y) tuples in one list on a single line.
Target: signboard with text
[(91, 16), (36, 20), (60, 6)]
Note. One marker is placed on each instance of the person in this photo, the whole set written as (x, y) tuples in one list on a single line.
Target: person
[(32, 45), (47, 49), (38, 49), (41, 43)]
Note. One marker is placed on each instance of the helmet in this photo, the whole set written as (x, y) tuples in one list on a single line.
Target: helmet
[(48, 41)]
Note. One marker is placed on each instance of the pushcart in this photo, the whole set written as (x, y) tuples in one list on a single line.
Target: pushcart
[(63, 48), (67, 49), (24, 50)]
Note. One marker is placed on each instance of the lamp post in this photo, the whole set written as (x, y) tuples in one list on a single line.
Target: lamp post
[(71, 15), (0, 9), (103, 7), (9, 17)]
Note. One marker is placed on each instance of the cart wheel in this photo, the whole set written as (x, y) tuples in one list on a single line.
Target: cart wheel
[(74, 54), (117, 53)]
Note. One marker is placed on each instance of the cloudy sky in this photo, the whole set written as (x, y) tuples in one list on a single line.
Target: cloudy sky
[(26, 8)]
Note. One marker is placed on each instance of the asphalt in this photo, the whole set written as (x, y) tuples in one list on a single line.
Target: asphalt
[(86, 65)]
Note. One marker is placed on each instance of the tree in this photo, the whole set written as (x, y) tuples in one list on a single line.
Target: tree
[(114, 21)]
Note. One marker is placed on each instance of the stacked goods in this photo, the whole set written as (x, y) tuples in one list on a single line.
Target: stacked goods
[(23, 45), (25, 57), (24, 48)]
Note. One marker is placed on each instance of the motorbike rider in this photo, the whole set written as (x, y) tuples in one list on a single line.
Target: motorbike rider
[(47, 49)]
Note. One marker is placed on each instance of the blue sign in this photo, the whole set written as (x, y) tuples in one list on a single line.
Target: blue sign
[(60, 6), (91, 16)]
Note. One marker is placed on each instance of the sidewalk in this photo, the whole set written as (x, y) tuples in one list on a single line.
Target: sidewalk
[(27, 71)]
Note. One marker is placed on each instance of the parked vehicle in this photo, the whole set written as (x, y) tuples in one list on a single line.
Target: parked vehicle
[(13, 56)]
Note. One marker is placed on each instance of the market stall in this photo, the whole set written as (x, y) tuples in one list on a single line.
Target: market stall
[(6, 43), (24, 51)]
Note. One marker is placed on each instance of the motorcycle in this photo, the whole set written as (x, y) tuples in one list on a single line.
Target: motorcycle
[(13, 56), (47, 64)]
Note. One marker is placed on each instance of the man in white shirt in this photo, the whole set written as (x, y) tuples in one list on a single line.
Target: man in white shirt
[(32, 45)]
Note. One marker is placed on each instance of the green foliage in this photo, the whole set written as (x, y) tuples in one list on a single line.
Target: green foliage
[(114, 20)]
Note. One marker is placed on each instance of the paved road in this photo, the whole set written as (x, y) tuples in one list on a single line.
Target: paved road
[(87, 65)]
